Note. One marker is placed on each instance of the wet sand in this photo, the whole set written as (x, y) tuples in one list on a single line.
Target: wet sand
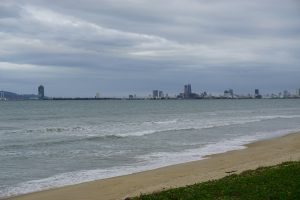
[(262, 153)]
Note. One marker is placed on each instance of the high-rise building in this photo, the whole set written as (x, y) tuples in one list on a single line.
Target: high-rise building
[(187, 91), (256, 94), (155, 94), (299, 92), (286, 94), (41, 92), (160, 94), (231, 92)]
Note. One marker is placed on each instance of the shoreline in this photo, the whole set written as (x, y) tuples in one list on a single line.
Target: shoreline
[(261, 153)]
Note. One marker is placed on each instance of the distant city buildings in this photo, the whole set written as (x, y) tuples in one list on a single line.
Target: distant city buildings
[(160, 94), (2, 96), (187, 92), (41, 92), (256, 94), (228, 93), (157, 94), (132, 96)]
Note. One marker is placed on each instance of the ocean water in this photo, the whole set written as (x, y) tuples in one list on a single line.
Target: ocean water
[(48, 144)]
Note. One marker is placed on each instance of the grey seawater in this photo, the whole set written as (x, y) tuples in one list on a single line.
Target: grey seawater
[(47, 144)]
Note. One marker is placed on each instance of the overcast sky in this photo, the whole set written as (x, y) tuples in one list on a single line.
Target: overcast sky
[(121, 47)]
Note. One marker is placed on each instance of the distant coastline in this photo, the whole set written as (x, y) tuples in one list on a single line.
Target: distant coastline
[(134, 99), (228, 94), (162, 99)]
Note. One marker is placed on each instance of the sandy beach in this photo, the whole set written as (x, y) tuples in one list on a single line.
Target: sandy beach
[(262, 153)]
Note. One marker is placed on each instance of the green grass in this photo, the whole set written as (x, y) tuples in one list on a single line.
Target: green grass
[(276, 182)]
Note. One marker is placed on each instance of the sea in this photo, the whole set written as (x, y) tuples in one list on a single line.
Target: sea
[(49, 144)]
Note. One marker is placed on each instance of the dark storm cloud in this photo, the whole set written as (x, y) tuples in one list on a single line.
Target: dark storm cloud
[(122, 45)]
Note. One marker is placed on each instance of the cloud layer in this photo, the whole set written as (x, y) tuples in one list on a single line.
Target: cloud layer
[(76, 48)]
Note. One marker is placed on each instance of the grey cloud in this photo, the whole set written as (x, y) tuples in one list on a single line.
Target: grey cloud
[(9, 10), (143, 43)]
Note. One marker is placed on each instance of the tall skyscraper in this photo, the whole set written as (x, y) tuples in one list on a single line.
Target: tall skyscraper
[(160, 94), (230, 91), (256, 94), (41, 92), (155, 94), (187, 91)]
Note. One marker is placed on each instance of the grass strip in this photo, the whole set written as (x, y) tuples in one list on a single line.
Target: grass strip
[(277, 182)]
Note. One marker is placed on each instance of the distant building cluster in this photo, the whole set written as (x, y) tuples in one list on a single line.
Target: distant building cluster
[(132, 96), (229, 94), (158, 94), (187, 93)]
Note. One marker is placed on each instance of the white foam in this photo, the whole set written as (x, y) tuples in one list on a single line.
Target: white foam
[(146, 162), (126, 129), (178, 125), (161, 122)]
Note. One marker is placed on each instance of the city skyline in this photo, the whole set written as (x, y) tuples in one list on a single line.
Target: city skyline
[(186, 93), (126, 46)]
